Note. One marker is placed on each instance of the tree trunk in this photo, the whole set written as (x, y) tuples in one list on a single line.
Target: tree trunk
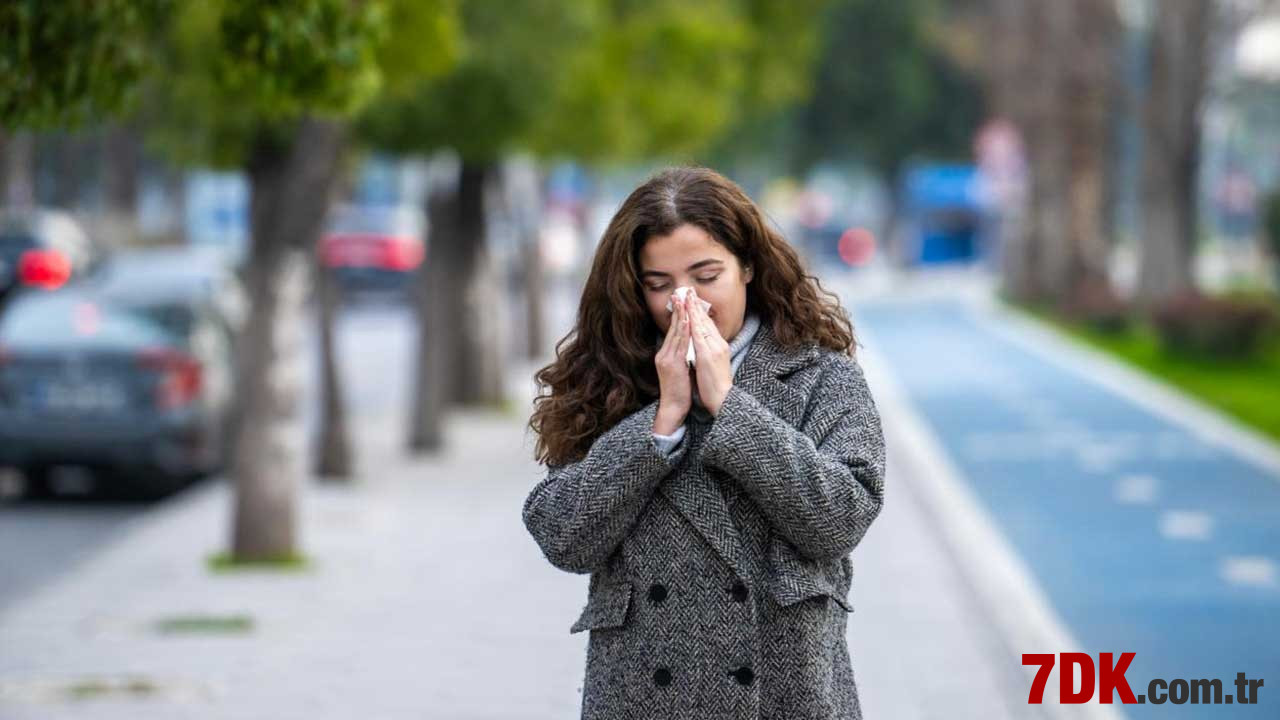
[(1171, 148), (290, 191), (478, 353), (120, 162), (19, 170), (1018, 78), (1089, 99), (433, 287), (1052, 74), (70, 152), (460, 353), (522, 191), (893, 237), (535, 292), (333, 453)]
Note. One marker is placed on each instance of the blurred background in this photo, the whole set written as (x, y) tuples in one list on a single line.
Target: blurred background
[(275, 279)]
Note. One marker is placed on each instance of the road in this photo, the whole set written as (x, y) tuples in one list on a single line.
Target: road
[(1146, 535)]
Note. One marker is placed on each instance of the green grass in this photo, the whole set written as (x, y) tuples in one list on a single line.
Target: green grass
[(89, 689), (1247, 389), (205, 624), (224, 562)]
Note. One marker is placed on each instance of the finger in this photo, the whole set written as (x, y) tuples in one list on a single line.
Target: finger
[(679, 314), (702, 321), (696, 309), (696, 328), (672, 328)]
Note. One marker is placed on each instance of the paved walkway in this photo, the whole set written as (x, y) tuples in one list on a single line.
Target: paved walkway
[(429, 600)]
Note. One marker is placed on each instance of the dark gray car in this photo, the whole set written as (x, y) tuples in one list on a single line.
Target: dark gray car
[(136, 387)]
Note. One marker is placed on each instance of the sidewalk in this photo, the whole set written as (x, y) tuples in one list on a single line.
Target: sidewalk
[(429, 600)]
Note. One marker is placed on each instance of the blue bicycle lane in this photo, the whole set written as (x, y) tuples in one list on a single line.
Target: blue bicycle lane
[(1144, 537)]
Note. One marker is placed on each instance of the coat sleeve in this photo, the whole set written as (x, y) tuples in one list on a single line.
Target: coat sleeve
[(820, 496), (581, 511)]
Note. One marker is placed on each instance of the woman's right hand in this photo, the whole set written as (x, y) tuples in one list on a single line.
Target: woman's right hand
[(676, 394)]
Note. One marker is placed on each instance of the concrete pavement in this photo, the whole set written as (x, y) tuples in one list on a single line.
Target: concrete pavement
[(429, 600)]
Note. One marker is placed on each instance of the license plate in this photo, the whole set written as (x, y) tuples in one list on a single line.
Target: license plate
[(79, 397)]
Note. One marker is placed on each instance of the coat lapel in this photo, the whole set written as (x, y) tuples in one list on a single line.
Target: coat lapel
[(693, 490)]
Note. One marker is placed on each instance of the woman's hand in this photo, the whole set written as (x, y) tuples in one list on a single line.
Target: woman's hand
[(713, 369), (676, 394)]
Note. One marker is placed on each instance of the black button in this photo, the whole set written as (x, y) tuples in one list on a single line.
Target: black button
[(662, 676), (739, 591), (743, 675), (657, 592)]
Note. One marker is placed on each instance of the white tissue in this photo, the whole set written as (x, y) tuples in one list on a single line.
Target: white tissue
[(681, 292)]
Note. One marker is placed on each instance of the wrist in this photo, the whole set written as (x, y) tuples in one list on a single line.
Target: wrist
[(667, 420)]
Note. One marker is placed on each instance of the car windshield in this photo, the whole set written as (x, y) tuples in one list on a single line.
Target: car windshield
[(83, 321), (176, 319)]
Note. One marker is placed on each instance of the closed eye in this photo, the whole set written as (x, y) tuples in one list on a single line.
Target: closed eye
[(664, 286)]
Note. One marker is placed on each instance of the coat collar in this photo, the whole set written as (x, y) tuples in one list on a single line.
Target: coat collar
[(761, 372), (771, 359), (693, 488)]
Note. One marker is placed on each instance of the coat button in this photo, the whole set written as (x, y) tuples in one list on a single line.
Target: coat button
[(739, 591), (743, 675), (662, 676), (657, 592)]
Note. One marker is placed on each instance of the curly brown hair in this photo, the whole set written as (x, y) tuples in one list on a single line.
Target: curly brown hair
[(604, 368)]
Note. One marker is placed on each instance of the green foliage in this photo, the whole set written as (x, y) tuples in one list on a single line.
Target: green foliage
[(240, 74), (884, 89), (656, 78), (286, 58), (67, 62), (603, 79), (507, 59), (423, 42)]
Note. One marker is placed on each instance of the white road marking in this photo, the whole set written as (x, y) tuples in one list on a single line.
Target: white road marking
[(1249, 570), (1136, 489), (1185, 525)]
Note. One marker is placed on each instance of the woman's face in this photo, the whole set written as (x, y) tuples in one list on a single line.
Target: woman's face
[(689, 256)]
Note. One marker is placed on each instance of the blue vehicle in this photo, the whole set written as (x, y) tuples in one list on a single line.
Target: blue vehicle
[(943, 212)]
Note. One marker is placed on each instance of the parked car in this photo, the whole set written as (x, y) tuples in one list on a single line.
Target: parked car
[(182, 275), (373, 247), (42, 248), (138, 391)]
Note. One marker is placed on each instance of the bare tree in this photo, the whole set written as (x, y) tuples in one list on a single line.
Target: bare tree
[(460, 356), (1171, 147), (291, 184), (1051, 72)]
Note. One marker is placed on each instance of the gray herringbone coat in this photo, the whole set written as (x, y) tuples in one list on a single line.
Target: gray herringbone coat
[(720, 574)]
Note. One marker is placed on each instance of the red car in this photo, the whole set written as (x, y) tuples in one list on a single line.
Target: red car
[(374, 247), (41, 248)]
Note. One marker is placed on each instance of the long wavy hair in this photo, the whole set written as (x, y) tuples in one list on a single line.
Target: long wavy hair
[(604, 368)]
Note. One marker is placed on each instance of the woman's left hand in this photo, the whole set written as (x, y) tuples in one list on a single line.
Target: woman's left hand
[(711, 364)]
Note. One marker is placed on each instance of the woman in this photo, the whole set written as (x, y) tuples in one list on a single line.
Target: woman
[(714, 506)]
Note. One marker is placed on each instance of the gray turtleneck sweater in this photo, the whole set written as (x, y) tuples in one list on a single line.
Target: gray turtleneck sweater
[(737, 352)]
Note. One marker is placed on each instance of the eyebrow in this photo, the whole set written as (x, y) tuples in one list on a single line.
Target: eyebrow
[(695, 266)]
